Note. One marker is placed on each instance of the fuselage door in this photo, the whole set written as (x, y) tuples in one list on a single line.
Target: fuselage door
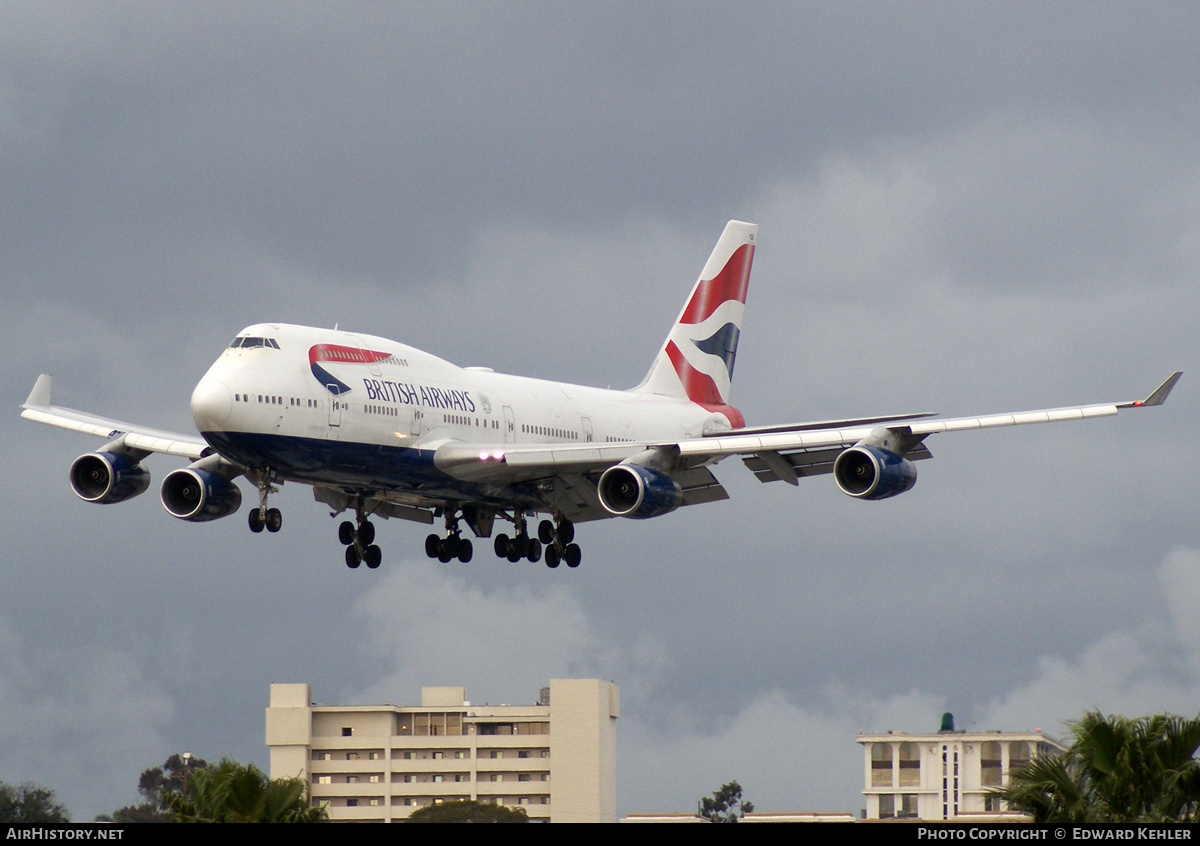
[(587, 429), (510, 426), (335, 411)]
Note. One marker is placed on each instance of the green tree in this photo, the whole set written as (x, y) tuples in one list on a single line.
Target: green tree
[(468, 811), (1116, 769), (154, 784), (30, 803), (726, 805), (231, 792)]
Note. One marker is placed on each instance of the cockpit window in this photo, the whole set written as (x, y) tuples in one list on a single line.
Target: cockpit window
[(245, 343)]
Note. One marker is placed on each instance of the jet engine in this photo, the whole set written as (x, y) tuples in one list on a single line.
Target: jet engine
[(108, 477), (637, 492), (199, 495), (868, 472)]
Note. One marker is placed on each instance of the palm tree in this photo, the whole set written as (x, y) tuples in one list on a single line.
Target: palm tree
[(230, 792), (1117, 769)]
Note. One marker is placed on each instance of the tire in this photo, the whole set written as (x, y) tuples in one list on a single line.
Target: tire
[(551, 557), (572, 555), (515, 551), (566, 532), (465, 551), (256, 523), (366, 533), (534, 551), (274, 520), (372, 556), (353, 559), (346, 533), (546, 531), (501, 546), (445, 553), (431, 545)]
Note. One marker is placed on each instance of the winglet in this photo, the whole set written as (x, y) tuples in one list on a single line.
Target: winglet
[(1160, 393), (40, 395)]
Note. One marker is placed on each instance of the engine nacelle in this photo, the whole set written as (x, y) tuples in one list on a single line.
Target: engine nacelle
[(108, 477), (637, 492), (868, 472), (199, 495)]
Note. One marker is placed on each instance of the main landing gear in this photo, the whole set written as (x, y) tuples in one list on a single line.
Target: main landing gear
[(454, 545), (262, 517), (360, 541), (556, 539)]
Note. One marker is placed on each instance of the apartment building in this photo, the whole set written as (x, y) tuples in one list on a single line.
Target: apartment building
[(379, 763)]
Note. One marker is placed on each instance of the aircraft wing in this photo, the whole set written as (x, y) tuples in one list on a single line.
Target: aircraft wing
[(38, 408), (772, 453)]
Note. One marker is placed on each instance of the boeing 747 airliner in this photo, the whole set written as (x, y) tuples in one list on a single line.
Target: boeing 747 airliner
[(381, 429)]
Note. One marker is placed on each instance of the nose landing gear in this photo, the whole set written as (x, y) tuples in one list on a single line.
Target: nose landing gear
[(262, 517)]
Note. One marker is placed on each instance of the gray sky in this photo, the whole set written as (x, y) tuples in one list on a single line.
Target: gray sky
[(964, 208)]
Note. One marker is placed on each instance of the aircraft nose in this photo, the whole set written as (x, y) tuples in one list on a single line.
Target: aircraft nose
[(212, 403)]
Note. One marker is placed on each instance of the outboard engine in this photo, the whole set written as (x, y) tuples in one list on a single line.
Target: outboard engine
[(199, 495), (108, 477), (637, 492), (869, 472)]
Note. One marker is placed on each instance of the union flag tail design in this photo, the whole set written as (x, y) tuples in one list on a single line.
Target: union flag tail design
[(696, 360)]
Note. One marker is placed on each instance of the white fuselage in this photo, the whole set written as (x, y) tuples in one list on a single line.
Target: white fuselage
[(333, 407)]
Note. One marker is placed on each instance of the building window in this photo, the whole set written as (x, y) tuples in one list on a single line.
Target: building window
[(1018, 754), (409, 756), (351, 803), (437, 779), (495, 753), (524, 753), (375, 779), (375, 756), (910, 765), (324, 779), (881, 766), (887, 806), (908, 805), (989, 763)]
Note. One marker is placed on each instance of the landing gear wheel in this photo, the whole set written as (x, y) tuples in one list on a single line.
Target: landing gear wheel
[(546, 532), (465, 551), (353, 559), (572, 555), (445, 551), (501, 546), (551, 557), (372, 556), (346, 533), (366, 533), (515, 550), (566, 532), (274, 520), (256, 523), (431, 545), (534, 550)]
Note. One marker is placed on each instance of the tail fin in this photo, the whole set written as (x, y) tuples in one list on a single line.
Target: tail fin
[(696, 360)]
